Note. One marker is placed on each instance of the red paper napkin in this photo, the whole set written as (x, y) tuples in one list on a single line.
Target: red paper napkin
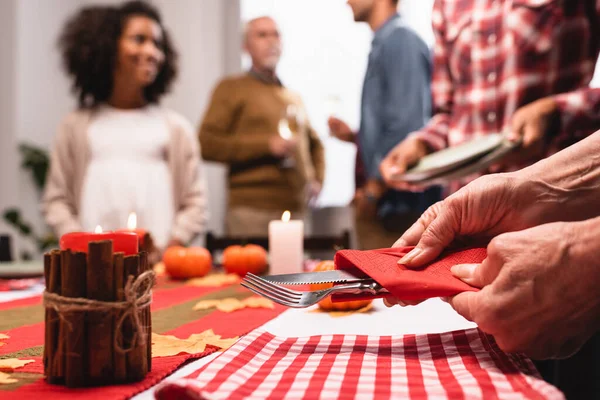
[(433, 280)]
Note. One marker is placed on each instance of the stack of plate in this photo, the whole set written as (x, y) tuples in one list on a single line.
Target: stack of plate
[(458, 162)]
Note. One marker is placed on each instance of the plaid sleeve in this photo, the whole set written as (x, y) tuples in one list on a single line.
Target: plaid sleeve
[(435, 133), (579, 111)]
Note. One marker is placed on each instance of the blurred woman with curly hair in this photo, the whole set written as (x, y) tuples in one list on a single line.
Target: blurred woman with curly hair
[(121, 152)]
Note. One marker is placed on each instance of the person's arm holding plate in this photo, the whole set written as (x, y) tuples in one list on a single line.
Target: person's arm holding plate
[(563, 187), (566, 116)]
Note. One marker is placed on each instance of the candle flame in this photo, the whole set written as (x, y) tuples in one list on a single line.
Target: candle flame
[(285, 217), (98, 229), (132, 221)]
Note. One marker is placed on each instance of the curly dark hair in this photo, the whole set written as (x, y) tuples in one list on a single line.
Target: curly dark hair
[(89, 45)]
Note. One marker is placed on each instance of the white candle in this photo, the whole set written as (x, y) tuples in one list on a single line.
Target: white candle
[(286, 245)]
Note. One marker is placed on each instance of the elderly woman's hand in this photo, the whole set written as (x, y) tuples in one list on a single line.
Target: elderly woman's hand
[(540, 289), (488, 206)]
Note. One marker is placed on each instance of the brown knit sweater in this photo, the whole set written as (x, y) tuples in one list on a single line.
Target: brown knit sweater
[(243, 114)]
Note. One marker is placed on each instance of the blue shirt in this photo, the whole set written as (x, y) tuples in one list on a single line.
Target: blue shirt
[(396, 100)]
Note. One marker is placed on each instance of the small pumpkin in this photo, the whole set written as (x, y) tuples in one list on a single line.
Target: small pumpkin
[(328, 305), (243, 259), (183, 263)]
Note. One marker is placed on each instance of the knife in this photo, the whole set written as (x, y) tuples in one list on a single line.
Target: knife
[(334, 276)]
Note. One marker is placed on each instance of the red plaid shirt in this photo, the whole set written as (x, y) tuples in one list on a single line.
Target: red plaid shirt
[(492, 57)]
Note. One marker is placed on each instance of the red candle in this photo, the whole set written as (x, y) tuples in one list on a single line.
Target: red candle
[(125, 242), (132, 227)]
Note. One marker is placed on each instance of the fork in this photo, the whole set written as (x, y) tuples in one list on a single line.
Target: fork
[(296, 299)]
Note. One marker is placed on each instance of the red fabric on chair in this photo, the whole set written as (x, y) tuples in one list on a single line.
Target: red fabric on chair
[(432, 280)]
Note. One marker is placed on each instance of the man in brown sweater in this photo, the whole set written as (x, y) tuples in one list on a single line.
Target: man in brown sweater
[(260, 129)]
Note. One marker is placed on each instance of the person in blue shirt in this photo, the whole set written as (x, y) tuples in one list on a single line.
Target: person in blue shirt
[(396, 100)]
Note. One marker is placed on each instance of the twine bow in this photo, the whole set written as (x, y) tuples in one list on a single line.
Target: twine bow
[(138, 296)]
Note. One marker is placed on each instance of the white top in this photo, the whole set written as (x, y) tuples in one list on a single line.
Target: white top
[(128, 172)]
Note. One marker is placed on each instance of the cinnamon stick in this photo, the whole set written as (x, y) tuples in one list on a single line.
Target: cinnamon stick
[(120, 359), (100, 286), (147, 316), (54, 352), (74, 266), (147, 244), (47, 266), (136, 358)]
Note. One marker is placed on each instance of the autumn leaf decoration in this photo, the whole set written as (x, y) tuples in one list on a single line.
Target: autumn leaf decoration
[(10, 364), (214, 280), (168, 345), (5, 379), (231, 304)]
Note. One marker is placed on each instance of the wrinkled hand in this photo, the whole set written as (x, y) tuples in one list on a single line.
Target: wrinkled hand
[(485, 208), (400, 159), (281, 147), (532, 125), (341, 130), (540, 289)]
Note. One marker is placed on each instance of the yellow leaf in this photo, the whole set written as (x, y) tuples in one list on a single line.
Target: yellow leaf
[(10, 364), (215, 340), (231, 304), (5, 379), (224, 344), (258, 302), (159, 269), (228, 304), (215, 280), (168, 345), (205, 304)]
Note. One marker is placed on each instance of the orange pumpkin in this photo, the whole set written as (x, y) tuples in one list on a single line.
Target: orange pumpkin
[(243, 259), (328, 305), (183, 263)]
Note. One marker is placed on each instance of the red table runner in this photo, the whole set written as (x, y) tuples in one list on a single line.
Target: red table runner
[(23, 321), (452, 365)]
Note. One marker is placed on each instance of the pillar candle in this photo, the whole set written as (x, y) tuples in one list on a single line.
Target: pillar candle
[(132, 227), (126, 242), (286, 245)]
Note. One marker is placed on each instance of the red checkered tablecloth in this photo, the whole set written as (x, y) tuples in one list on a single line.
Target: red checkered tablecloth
[(452, 365)]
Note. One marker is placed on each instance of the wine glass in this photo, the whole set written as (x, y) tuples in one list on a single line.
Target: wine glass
[(287, 128)]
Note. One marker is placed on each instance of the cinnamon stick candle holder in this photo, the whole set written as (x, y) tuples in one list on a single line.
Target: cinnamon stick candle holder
[(147, 245), (97, 319)]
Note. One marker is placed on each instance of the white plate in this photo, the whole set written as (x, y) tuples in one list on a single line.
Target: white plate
[(446, 160), (21, 269), (471, 168)]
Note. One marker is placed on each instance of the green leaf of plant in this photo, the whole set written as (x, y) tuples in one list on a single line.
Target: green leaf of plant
[(12, 216)]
